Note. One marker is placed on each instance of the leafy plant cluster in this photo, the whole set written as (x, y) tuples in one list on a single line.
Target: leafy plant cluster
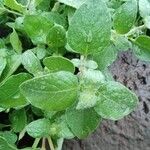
[(54, 58)]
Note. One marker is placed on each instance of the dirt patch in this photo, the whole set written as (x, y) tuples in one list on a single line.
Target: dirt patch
[(132, 132)]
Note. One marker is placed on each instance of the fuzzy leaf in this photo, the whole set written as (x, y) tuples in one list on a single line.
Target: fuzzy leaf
[(90, 27), (58, 63), (31, 63), (39, 128), (55, 91), (18, 120), (37, 28), (115, 101), (125, 16), (15, 42), (82, 122), (9, 91), (56, 37)]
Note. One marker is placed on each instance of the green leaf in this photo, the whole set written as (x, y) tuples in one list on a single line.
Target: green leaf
[(115, 101), (55, 17), (141, 53), (44, 5), (15, 42), (58, 63), (39, 128), (13, 4), (143, 42), (73, 3), (105, 57), (55, 91), (18, 120), (82, 122), (13, 62), (9, 91), (56, 36), (9, 136), (90, 27), (144, 8), (125, 16), (37, 27), (2, 64), (2, 43), (31, 63), (4, 145)]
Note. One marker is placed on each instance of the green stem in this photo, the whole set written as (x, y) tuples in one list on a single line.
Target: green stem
[(59, 144), (36, 142), (134, 30), (43, 144), (51, 143), (56, 6)]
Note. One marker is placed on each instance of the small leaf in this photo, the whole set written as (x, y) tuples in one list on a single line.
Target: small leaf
[(31, 63), (105, 57), (56, 36), (15, 42), (87, 99), (90, 80), (144, 7), (2, 64), (73, 3), (125, 16), (9, 91), (90, 27), (55, 91), (39, 128), (4, 145), (18, 120), (82, 122), (58, 63), (94, 76), (13, 4), (115, 101), (37, 27), (143, 42)]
